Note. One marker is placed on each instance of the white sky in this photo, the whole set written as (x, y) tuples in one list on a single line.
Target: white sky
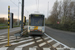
[(30, 7)]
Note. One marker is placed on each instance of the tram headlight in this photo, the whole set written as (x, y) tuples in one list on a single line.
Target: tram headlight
[(28, 30), (42, 29)]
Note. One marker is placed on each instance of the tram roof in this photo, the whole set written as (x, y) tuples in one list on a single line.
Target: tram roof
[(36, 14)]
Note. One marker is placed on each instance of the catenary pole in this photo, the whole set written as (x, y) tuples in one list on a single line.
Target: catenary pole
[(22, 15)]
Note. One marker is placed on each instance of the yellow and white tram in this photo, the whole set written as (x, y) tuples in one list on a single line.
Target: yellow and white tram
[(36, 24)]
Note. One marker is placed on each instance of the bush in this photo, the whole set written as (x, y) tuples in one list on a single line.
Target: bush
[(66, 27)]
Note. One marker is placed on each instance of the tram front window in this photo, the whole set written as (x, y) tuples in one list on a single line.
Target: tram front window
[(37, 21)]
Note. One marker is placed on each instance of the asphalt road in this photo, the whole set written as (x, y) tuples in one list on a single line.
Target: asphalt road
[(5, 31), (65, 37)]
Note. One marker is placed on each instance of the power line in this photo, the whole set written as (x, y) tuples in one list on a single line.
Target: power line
[(38, 5), (17, 5), (14, 3)]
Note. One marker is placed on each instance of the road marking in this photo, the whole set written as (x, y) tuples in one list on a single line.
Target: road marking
[(42, 44), (13, 38), (49, 41), (46, 38), (46, 48), (21, 42), (39, 40), (65, 46), (72, 48), (24, 45), (32, 48), (4, 48), (18, 48), (60, 48), (56, 44), (29, 37), (10, 41), (2, 37), (7, 39)]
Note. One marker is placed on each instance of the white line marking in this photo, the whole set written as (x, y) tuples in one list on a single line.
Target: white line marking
[(72, 48), (46, 38), (56, 44), (18, 48), (49, 41), (2, 36), (39, 40), (29, 37), (46, 48), (32, 48), (4, 39), (21, 42), (60, 48), (42, 44), (65, 46), (4, 48), (10, 41), (24, 45)]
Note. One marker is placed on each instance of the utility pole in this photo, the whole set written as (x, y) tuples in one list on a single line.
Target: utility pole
[(22, 15)]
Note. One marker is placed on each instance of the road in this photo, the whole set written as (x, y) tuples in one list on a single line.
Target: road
[(65, 37), (5, 31), (46, 42)]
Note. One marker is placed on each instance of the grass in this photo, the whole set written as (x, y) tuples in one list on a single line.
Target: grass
[(5, 26), (64, 27), (1, 27)]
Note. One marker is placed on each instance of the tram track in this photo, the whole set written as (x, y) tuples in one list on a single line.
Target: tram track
[(44, 42)]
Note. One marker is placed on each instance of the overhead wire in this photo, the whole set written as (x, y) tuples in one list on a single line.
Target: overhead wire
[(14, 3), (38, 5), (17, 5)]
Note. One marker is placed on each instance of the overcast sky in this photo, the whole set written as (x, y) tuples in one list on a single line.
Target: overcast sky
[(30, 7)]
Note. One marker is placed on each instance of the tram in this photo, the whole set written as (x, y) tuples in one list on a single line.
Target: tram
[(36, 24)]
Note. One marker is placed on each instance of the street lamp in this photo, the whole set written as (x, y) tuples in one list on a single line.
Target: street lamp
[(18, 13), (48, 9)]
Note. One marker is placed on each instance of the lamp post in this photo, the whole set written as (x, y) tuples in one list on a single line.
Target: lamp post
[(48, 9), (18, 13)]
